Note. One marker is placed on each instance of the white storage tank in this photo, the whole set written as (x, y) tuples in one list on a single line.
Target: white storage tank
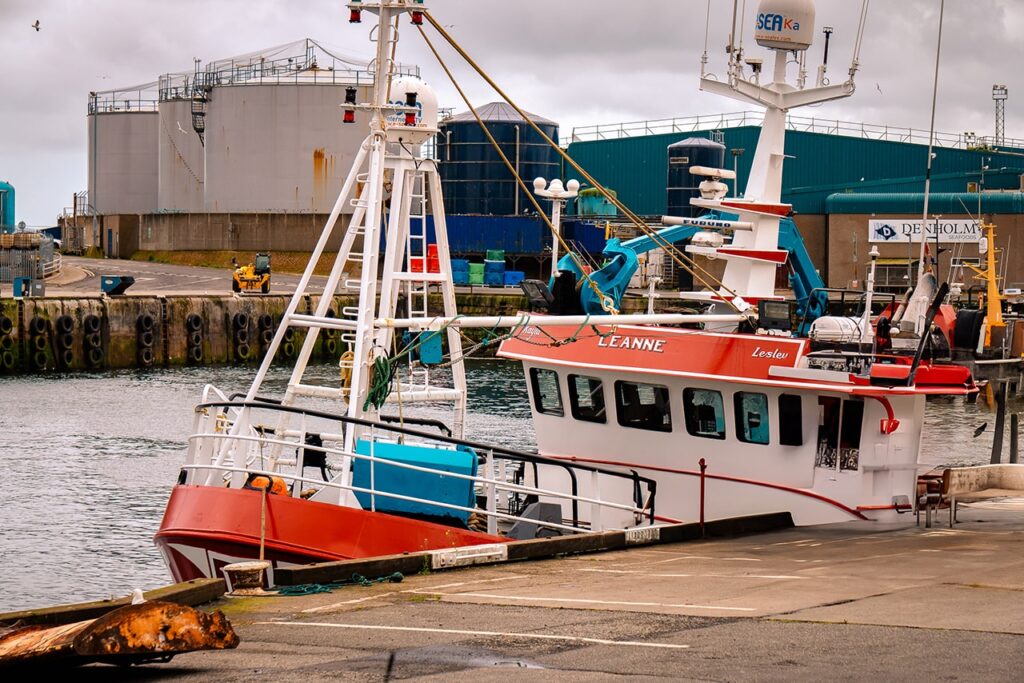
[(279, 148), (182, 160), (122, 151)]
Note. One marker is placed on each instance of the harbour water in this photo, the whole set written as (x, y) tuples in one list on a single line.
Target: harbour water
[(88, 462)]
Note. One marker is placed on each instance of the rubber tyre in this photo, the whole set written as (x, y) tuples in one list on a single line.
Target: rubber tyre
[(146, 339), (145, 357), (37, 326), (195, 354), (195, 339), (288, 349), (234, 286), (6, 325), (6, 343), (92, 340), (266, 322), (193, 323), (95, 356), (65, 324), (967, 329), (67, 358), (240, 321), (265, 288), (241, 337), (144, 323), (242, 351), (40, 343), (7, 360), (91, 323), (39, 360), (66, 340), (266, 336), (330, 347)]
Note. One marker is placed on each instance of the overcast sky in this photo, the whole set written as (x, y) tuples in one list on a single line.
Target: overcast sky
[(579, 63)]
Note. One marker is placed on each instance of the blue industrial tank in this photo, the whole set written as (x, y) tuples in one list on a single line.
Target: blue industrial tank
[(6, 207), (682, 186), (474, 179)]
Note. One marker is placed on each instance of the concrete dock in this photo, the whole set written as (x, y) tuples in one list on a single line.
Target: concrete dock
[(842, 602)]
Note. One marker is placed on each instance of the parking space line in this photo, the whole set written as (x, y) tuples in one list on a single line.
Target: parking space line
[(696, 576), (584, 601), (489, 634)]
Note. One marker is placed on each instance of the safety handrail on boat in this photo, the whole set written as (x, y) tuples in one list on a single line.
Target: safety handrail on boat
[(508, 453)]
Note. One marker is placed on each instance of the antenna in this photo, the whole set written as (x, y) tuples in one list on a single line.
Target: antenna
[(999, 95)]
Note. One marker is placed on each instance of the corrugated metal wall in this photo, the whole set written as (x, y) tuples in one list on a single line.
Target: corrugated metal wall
[(821, 165)]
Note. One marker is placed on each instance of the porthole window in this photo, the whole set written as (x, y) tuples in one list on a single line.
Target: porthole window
[(547, 396), (704, 413)]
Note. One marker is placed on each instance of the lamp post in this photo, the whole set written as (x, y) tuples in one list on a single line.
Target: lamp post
[(558, 194)]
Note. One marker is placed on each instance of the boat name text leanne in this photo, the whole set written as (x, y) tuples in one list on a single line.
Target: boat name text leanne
[(616, 341)]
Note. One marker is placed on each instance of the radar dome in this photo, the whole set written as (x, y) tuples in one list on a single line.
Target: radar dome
[(785, 24), (404, 89)]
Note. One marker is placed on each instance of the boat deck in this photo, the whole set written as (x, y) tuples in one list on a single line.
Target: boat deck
[(844, 602)]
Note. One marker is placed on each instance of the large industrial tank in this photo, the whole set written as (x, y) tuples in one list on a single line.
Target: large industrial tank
[(123, 158), (182, 162), (474, 178), (682, 186), (278, 148)]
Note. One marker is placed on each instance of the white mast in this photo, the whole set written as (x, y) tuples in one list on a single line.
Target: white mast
[(785, 27)]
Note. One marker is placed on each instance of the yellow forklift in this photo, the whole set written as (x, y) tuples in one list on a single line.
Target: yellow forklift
[(252, 276)]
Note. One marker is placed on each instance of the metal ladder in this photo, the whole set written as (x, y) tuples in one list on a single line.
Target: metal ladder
[(418, 290)]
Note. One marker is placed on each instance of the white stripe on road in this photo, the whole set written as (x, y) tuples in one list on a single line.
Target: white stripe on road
[(428, 590), (356, 601), (461, 632), (696, 576), (583, 601)]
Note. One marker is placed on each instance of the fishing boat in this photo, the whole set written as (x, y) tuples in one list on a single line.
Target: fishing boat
[(631, 410)]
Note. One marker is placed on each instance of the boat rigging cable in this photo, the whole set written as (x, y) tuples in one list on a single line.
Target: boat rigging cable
[(922, 266), (681, 259)]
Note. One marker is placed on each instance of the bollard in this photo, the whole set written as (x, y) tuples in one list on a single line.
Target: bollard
[(997, 439), (703, 469), (1014, 420)]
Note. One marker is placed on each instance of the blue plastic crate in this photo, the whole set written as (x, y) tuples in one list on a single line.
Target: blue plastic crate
[(432, 486), (460, 265), (460, 277), (514, 277)]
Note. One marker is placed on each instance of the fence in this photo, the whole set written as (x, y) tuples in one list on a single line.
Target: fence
[(38, 261)]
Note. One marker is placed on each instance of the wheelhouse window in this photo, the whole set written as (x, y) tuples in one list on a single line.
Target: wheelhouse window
[(547, 396), (704, 412), (586, 398), (643, 406), (751, 417), (791, 420), (839, 428)]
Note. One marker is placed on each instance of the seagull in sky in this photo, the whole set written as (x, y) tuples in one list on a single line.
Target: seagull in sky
[(879, 89), (36, 26)]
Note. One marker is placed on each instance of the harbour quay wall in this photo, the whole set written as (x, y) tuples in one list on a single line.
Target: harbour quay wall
[(63, 334)]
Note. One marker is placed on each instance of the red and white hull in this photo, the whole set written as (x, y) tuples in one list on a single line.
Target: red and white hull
[(205, 528)]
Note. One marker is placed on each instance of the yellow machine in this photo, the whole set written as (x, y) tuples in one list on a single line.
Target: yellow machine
[(253, 276)]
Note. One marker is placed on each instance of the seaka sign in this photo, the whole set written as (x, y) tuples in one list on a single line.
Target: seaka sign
[(902, 230)]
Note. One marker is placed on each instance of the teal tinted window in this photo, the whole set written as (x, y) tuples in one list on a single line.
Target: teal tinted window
[(547, 396), (751, 417), (704, 412)]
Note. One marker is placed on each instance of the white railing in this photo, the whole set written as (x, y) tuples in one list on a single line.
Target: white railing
[(227, 446), (53, 266), (705, 122)]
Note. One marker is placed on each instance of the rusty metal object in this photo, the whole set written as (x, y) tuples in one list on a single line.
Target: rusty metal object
[(132, 634)]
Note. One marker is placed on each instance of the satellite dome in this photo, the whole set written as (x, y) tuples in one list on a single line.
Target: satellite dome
[(785, 24)]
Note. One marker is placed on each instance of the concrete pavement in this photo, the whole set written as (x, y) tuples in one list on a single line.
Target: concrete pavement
[(843, 602)]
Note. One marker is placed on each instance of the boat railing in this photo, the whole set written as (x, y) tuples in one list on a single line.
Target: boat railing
[(232, 443)]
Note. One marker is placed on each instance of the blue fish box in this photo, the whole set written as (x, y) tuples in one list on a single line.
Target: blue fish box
[(424, 485), (460, 277), (430, 350), (460, 265), (514, 277)]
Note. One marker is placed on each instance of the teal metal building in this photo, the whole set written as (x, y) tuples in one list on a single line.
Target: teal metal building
[(817, 165), (6, 207)]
